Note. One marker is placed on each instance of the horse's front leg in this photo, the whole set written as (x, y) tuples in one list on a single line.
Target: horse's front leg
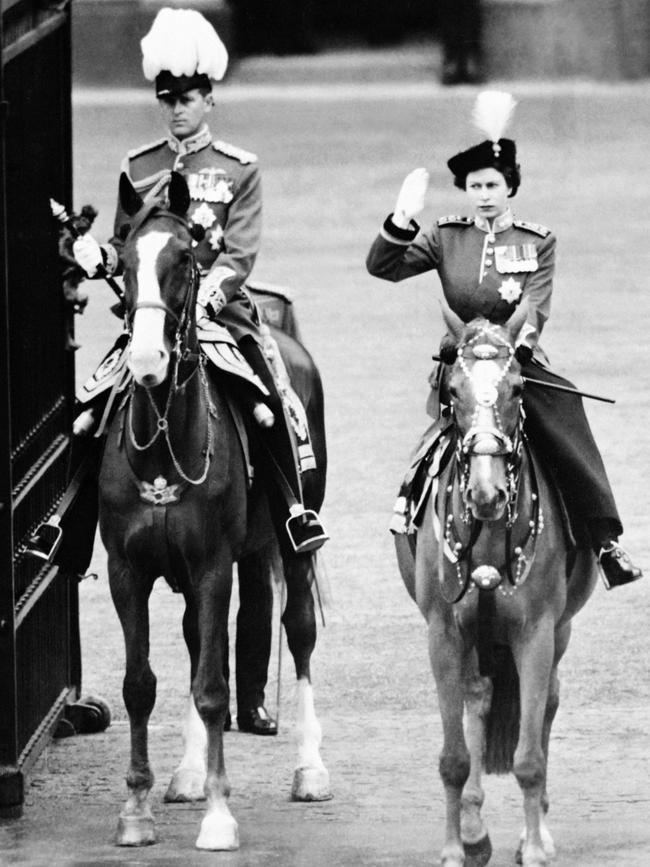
[(534, 653), (311, 781), (131, 600), (478, 697), (446, 651), (219, 829), (188, 780)]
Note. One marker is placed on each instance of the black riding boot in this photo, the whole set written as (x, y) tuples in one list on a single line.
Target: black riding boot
[(557, 425), (305, 531)]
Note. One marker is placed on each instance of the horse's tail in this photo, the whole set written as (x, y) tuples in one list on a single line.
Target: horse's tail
[(502, 723)]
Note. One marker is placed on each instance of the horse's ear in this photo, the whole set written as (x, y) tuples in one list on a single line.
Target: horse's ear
[(516, 321), (454, 323), (130, 201), (178, 194)]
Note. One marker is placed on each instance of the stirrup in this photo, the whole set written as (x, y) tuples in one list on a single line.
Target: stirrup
[(304, 529), (45, 541)]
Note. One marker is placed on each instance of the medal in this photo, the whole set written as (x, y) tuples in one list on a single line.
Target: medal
[(510, 290), (204, 216), (516, 258)]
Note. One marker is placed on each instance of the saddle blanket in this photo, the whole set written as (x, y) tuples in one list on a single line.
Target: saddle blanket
[(216, 342)]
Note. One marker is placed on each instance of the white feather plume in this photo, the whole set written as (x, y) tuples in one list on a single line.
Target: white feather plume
[(493, 110), (183, 42)]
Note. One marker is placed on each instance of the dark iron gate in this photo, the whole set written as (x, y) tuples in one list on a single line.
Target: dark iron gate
[(39, 653)]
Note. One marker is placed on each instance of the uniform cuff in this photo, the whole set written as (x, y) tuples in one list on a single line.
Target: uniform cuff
[(395, 234), (110, 258)]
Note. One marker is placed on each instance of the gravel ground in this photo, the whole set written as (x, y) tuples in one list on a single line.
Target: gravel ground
[(332, 159)]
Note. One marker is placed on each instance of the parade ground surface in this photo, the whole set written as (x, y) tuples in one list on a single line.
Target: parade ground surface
[(334, 143)]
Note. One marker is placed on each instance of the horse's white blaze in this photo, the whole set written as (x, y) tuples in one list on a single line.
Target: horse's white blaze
[(148, 356), (308, 729)]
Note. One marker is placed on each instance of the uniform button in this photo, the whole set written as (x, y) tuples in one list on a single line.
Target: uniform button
[(488, 262), (491, 239), (179, 165), (489, 251)]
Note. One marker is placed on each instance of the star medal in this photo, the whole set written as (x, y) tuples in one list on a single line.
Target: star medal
[(216, 238), (510, 290), (204, 216)]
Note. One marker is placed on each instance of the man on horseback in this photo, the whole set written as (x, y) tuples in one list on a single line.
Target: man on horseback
[(488, 264), (182, 54)]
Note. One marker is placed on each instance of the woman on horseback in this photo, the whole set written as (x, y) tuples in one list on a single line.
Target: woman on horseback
[(489, 263)]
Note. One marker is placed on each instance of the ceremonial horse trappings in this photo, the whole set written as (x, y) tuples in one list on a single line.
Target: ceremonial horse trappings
[(495, 575), (174, 502)]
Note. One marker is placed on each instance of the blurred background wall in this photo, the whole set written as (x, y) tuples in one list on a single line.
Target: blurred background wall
[(603, 39)]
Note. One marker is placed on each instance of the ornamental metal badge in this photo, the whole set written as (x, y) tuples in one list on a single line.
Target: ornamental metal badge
[(159, 493), (486, 577), (510, 290)]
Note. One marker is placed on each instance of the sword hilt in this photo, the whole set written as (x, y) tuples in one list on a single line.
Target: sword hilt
[(59, 213)]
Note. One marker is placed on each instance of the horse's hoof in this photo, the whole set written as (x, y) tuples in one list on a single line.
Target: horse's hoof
[(451, 857), (135, 830), (478, 854), (311, 784), (186, 785), (219, 833)]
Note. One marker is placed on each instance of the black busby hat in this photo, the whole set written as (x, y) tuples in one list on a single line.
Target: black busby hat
[(492, 112), (488, 154), (182, 51)]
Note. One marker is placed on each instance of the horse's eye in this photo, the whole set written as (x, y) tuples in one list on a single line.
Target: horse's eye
[(453, 392), (517, 390)]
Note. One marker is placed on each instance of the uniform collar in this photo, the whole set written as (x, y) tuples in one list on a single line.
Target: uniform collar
[(191, 145), (501, 223)]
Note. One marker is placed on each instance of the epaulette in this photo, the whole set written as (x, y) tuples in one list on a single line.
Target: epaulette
[(455, 221), (244, 157), (537, 228), (136, 152)]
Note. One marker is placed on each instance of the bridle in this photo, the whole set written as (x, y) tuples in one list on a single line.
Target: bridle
[(180, 352), (486, 435), (482, 437)]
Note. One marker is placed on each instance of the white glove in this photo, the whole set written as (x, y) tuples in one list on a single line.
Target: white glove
[(410, 201), (88, 254)]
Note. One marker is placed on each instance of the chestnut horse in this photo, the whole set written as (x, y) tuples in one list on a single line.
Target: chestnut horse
[(495, 575), (174, 503)]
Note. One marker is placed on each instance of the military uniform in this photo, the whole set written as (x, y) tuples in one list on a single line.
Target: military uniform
[(226, 199), (488, 270)]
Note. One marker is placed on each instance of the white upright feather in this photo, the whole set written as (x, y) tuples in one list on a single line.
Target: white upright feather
[(493, 110), (183, 42)]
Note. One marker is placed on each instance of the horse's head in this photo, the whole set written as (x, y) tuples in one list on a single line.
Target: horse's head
[(486, 387), (159, 278)]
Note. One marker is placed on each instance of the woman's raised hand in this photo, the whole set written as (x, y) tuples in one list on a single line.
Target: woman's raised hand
[(410, 201)]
